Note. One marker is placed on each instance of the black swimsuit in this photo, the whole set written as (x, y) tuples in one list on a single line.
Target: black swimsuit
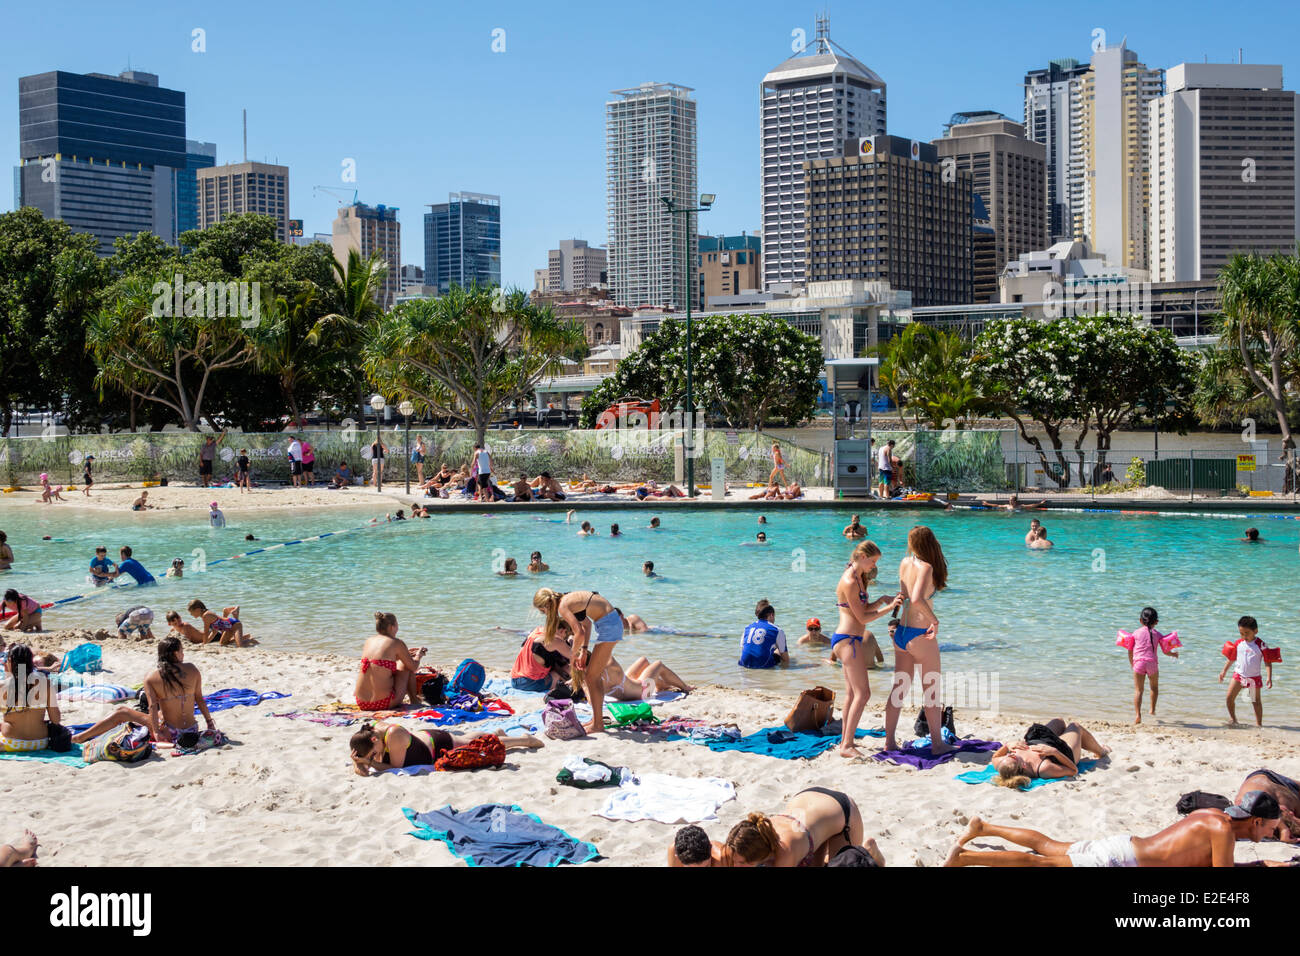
[(582, 615), (843, 800), (417, 751)]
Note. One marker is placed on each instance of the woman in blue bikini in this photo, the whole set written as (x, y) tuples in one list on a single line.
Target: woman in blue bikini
[(923, 573), (855, 613)]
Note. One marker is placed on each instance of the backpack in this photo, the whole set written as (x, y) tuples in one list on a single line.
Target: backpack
[(431, 684), (561, 721), (484, 751), (922, 725), (469, 677), (129, 744)]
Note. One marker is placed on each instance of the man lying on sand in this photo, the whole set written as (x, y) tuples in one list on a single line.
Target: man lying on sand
[(1202, 838), (1282, 788), (22, 852)]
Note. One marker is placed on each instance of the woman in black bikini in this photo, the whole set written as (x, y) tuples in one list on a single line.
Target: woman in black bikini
[(592, 620), (383, 746), (816, 824)]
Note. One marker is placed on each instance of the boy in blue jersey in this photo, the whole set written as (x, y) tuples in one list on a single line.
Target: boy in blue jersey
[(763, 644), (129, 565), (102, 569)]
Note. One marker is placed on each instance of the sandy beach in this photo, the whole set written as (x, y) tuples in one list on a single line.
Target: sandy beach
[(282, 793)]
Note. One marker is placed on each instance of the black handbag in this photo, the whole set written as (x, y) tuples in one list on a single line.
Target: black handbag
[(922, 726), (60, 738)]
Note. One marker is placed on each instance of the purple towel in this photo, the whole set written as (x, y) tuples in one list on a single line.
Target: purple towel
[(923, 759)]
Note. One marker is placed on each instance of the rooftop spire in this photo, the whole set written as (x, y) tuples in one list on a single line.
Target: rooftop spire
[(823, 38)]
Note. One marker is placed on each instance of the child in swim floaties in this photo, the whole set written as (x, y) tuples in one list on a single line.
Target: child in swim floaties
[(1141, 645), (1248, 657)]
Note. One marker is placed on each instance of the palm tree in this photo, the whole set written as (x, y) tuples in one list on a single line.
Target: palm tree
[(352, 303), (293, 344), (1261, 312)]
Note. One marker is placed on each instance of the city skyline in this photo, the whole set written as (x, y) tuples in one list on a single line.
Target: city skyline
[(497, 126)]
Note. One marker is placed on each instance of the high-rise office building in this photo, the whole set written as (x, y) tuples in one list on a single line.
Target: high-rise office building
[(574, 266), (197, 156), (101, 152), (1009, 173), (1052, 106), (888, 212), (729, 265), (462, 241), (650, 155), (370, 230), (984, 254), (1223, 168), (811, 105), (235, 188), (1110, 168)]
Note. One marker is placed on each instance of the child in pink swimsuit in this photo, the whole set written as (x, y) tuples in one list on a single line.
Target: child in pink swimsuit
[(1142, 656)]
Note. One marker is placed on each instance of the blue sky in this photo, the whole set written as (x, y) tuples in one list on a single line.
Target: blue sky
[(413, 92)]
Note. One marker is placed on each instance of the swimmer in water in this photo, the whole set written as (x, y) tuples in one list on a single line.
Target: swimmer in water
[(654, 524), (854, 529), (536, 565), (762, 519), (1032, 533), (760, 538), (1040, 542), (648, 569), (249, 537), (614, 532), (511, 569), (586, 530), (1252, 536), (633, 623)]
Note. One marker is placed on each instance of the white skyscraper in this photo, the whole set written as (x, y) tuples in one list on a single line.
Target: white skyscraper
[(811, 105), (650, 154), (1051, 104), (1223, 168)]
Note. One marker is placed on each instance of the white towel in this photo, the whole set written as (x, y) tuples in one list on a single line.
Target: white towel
[(668, 799)]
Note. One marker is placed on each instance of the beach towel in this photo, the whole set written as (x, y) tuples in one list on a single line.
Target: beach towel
[(70, 759), (105, 693), (238, 697), (783, 743), (989, 773), (494, 834), (922, 759), (327, 720), (668, 799)]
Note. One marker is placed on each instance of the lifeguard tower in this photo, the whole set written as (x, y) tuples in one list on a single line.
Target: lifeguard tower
[(851, 382)]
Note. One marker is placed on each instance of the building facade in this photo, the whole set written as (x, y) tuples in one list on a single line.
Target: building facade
[(650, 155), (889, 214), (197, 156), (235, 188), (728, 266), (1053, 105), (101, 152), (462, 241), (1111, 168), (574, 266), (371, 230), (810, 105), (1223, 168), (1009, 173)]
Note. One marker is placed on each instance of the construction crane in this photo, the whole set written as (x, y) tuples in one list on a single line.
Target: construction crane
[(336, 191)]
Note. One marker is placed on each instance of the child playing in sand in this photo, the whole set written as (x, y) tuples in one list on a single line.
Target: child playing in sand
[(1141, 645), (48, 493), (1247, 665), (226, 628), (179, 628)]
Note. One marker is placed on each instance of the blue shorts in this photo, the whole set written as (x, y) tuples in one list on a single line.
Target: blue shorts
[(903, 635), (539, 686), (837, 637), (886, 476), (608, 629)]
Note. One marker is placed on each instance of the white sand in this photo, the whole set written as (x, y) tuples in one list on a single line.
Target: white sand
[(284, 793)]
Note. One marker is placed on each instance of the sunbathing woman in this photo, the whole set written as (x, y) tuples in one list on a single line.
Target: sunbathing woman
[(387, 668), (182, 629), (641, 681), (592, 620), (382, 746), (1049, 751), (226, 627), (816, 824), (771, 493), (173, 691), (29, 703)]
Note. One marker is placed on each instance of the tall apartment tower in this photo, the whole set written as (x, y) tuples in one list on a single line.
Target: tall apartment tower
[(101, 152), (887, 212), (1223, 168), (225, 191), (197, 156), (650, 155), (810, 105), (370, 230), (574, 266), (1009, 173), (1112, 156), (462, 241), (1052, 105)]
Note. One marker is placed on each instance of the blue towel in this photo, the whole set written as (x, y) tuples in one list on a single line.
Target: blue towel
[(803, 746), (235, 697), (493, 834), (988, 773), (71, 759)]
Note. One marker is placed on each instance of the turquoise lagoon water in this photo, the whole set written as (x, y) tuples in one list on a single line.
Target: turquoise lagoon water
[(1043, 622)]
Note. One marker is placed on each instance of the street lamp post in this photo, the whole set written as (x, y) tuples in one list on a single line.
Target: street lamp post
[(406, 408), (377, 461), (706, 200)]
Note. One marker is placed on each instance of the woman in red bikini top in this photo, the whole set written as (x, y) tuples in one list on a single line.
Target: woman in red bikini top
[(388, 668)]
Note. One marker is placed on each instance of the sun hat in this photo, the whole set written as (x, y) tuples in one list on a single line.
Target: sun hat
[(813, 622), (214, 504)]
